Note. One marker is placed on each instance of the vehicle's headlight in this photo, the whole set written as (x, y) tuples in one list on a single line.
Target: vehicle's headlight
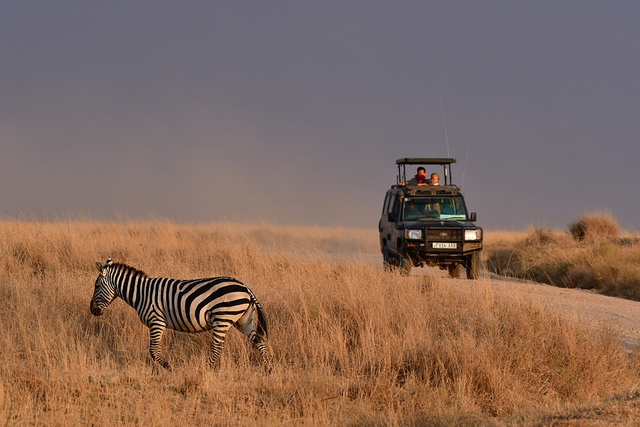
[(413, 234), (473, 234)]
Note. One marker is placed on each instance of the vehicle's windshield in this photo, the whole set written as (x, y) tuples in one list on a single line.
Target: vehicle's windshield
[(433, 208)]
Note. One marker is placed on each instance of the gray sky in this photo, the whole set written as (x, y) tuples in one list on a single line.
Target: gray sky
[(295, 112)]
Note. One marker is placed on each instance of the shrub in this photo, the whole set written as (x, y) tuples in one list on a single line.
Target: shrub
[(593, 227), (542, 236), (539, 236), (581, 276), (590, 257)]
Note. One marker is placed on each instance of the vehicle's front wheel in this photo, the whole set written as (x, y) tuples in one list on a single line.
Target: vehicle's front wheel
[(406, 263), (393, 261), (454, 271), (473, 265), (390, 262)]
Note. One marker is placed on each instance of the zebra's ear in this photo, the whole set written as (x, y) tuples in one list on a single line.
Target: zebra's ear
[(99, 266), (109, 262)]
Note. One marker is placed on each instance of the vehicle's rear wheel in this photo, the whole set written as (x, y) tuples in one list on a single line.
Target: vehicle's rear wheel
[(473, 265)]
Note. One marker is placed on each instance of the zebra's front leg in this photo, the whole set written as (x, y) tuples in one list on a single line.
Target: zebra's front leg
[(156, 330)]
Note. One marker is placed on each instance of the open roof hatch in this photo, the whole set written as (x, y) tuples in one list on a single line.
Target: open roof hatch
[(444, 162)]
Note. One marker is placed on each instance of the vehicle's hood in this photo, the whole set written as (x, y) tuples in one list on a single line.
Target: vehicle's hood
[(436, 224)]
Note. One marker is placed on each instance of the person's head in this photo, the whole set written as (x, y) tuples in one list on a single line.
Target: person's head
[(435, 179), (421, 171)]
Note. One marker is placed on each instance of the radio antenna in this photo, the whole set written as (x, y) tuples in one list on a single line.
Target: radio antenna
[(444, 124), (464, 168)]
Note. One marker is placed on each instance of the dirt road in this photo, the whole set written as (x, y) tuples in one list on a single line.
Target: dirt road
[(600, 311)]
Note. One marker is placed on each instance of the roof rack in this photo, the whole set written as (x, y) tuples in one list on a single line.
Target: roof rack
[(401, 178)]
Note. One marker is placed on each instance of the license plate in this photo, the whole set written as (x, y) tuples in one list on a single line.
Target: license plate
[(444, 245)]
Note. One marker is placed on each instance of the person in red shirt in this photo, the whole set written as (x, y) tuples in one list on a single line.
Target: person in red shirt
[(420, 178)]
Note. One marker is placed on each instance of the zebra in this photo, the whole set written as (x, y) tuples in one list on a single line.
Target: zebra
[(197, 305)]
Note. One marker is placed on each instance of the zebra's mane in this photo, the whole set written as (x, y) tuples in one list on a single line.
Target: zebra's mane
[(131, 270)]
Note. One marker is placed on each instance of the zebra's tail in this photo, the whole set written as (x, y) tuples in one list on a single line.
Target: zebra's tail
[(262, 320)]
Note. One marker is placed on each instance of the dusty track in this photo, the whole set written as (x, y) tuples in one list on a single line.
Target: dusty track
[(620, 315), (600, 311)]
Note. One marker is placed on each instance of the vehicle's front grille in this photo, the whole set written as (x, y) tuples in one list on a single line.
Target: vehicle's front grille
[(449, 234)]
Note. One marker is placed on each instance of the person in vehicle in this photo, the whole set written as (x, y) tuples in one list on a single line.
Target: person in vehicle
[(435, 179), (420, 178), (413, 210)]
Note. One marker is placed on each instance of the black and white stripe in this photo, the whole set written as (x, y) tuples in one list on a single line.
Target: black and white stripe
[(197, 305)]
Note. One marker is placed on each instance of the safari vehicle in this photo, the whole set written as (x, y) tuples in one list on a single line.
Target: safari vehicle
[(429, 225)]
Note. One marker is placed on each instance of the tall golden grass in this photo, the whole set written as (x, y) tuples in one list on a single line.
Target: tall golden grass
[(351, 343), (589, 255)]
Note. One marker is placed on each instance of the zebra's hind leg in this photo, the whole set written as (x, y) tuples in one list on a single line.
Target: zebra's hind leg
[(219, 332), (156, 330), (259, 343), (246, 326)]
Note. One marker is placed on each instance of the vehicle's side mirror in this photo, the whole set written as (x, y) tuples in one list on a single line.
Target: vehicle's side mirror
[(391, 217), (472, 217)]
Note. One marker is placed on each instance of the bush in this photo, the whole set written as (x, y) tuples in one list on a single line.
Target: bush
[(581, 276), (593, 227), (591, 256), (542, 236)]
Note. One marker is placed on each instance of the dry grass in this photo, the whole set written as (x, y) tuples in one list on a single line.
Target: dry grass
[(352, 344), (594, 226), (590, 255)]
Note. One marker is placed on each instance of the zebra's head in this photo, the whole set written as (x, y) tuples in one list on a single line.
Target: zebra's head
[(104, 292)]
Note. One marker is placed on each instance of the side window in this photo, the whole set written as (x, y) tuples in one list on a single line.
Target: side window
[(385, 207), (390, 207)]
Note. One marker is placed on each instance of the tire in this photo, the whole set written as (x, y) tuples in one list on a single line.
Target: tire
[(473, 265), (389, 260), (454, 271), (392, 261), (405, 263)]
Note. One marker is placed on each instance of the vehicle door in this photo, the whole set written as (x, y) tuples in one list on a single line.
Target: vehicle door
[(387, 224)]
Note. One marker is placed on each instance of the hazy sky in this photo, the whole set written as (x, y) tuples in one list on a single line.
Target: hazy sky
[(294, 112)]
